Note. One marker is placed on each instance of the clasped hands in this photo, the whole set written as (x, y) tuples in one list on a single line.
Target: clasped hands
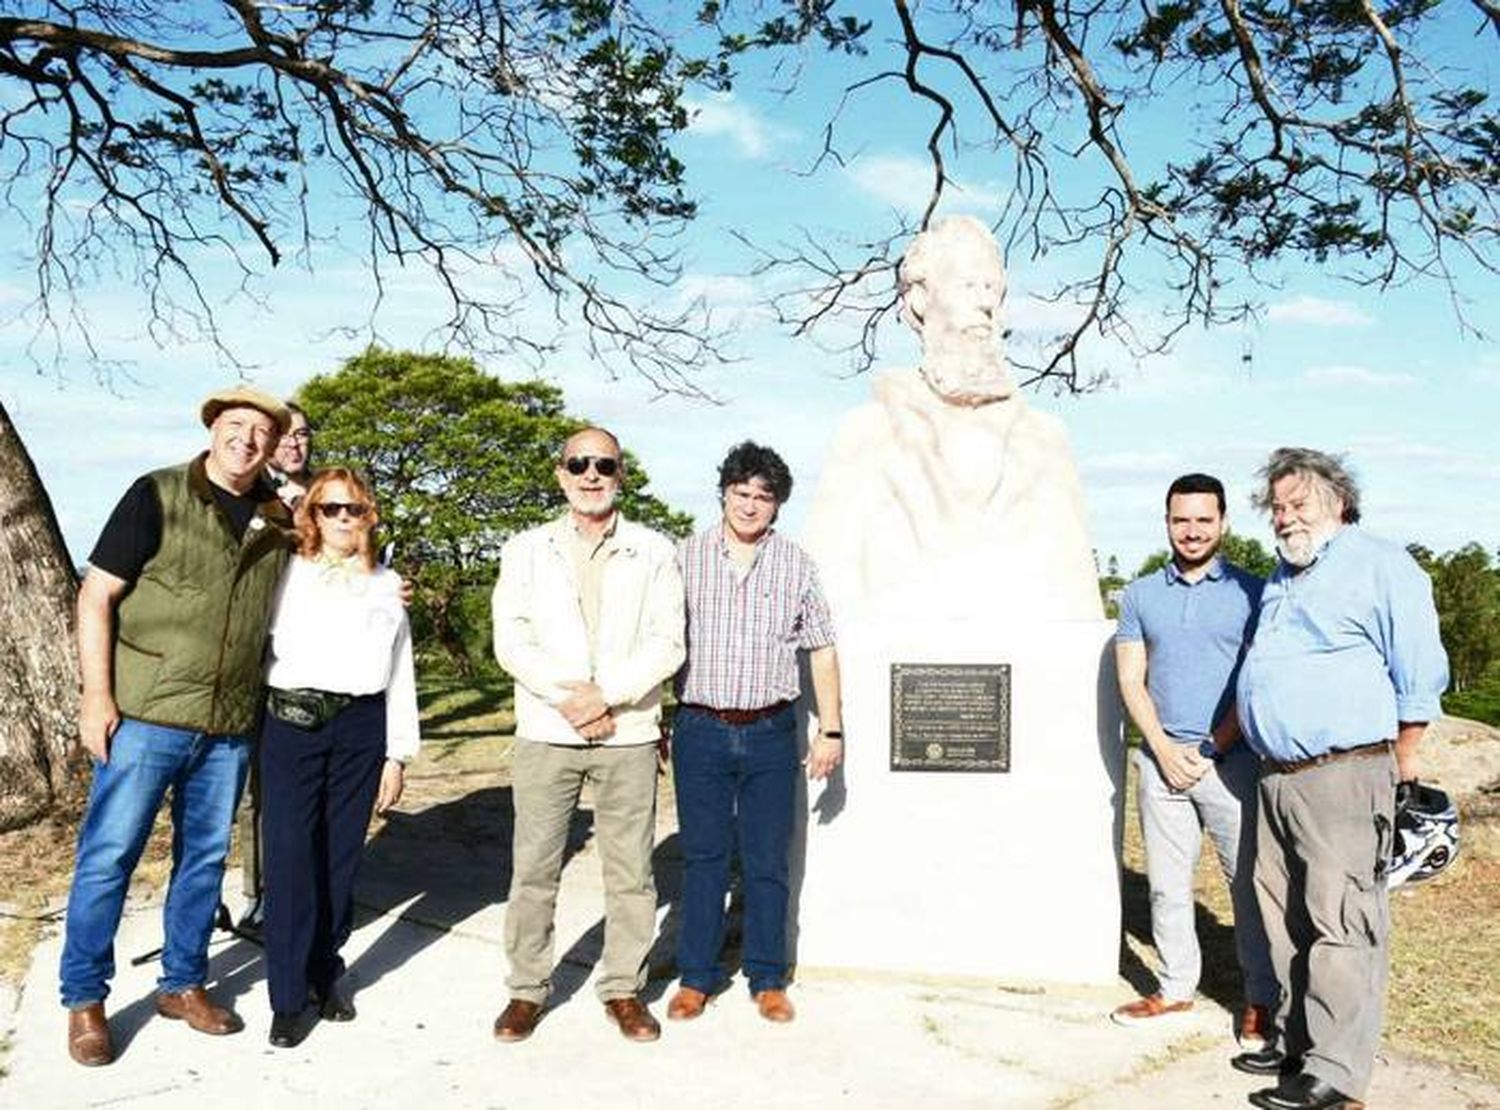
[(586, 710)]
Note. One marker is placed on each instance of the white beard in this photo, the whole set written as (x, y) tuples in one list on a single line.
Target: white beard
[(1300, 549), (966, 374)]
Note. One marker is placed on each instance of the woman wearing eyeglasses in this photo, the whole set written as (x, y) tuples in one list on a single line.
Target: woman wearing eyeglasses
[(341, 720)]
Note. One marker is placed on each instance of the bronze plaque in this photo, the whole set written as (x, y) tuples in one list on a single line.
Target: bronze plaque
[(950, 716)]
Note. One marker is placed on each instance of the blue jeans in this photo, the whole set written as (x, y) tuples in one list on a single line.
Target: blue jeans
[(736, 786), (205, 774)]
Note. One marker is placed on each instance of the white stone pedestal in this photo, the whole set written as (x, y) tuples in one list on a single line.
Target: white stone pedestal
[(1003, 875)]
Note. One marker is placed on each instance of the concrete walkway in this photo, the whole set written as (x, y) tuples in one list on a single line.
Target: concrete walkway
[(428, 968)]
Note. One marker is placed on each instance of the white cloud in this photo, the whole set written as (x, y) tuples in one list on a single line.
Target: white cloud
[(729, 298), (722, 114), (906, 184), (1359, 377), (1318, 312)]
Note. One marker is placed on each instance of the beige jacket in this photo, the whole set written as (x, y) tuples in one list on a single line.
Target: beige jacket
[(540, 638)]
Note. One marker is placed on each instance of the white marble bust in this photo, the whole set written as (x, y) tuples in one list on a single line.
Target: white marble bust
[(947, 495)]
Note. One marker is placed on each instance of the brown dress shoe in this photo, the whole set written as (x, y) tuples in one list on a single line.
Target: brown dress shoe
[(199, 1011), (774, 1005), (634, 1020), (88, 1036), (517, 1021), (686, 1004)]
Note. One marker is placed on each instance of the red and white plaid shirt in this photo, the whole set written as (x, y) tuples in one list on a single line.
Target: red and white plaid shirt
[(743, 632)]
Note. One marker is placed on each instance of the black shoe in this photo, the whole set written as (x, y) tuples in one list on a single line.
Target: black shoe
[(1268, 1061), (333, 1006), (1303, 1092), (288, 1030)]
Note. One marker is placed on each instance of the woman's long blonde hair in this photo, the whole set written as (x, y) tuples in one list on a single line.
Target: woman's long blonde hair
[(309, 538)]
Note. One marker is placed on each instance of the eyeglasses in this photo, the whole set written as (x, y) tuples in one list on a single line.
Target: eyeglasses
[(604, 465), (301, 435), (331, 509)]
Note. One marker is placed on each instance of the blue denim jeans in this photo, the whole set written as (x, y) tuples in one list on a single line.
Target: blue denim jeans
[(205, 774), (736, 786)]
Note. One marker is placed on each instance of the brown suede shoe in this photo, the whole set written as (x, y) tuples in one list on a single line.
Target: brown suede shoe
[(634, 1020), (774, 1005), (199, 1011), (518, 1020), (686, 1004), (88, 1036)]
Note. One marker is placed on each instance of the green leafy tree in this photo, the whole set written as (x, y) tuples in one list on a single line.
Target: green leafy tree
[(460, 461), (1466, 589), (1245, 552)]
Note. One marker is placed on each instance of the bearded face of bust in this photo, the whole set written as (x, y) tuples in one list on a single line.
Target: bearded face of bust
[(953, 284)]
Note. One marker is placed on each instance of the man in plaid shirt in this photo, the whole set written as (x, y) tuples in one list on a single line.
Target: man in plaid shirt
[(753, 601)]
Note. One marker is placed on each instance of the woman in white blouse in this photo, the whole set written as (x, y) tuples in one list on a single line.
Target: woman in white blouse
[(341, 720)]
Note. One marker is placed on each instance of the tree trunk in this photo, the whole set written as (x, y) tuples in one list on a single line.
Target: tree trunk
[(39, 685)]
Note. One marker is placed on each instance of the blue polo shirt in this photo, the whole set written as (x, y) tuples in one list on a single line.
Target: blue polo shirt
[(1194, 634), (1343, 651)]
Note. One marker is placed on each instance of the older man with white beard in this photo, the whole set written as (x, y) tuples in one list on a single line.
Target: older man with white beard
[(589, 622), (1345, 670)]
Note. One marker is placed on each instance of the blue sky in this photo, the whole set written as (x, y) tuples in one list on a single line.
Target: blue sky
[(1387, 377)]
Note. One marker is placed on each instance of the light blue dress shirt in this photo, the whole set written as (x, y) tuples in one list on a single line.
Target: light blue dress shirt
[(1342, 651), (1194, 634)]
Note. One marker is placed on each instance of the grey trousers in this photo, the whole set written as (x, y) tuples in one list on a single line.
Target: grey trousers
[(1324, 842), (547, 779), (1222, 803)]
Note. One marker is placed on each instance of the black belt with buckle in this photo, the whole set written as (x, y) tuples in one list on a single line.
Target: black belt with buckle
[(738, 716), (1364, 751)]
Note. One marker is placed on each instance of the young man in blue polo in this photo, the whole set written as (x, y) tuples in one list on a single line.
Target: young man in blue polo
[(1181, 636)]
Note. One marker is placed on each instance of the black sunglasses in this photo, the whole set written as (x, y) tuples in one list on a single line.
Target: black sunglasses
[(331, 509), (604, 465)]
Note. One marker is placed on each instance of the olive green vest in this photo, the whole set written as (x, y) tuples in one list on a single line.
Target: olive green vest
[(191, 633)]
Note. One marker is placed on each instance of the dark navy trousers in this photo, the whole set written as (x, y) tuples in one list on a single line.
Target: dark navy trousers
[(318, 788)]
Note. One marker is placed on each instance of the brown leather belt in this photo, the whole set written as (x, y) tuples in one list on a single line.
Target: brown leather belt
[(738, 716), (1364, 751)]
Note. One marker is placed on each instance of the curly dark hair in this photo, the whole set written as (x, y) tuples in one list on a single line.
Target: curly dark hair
[(750, 460)]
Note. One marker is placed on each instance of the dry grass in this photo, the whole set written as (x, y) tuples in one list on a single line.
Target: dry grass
[(36, 865)]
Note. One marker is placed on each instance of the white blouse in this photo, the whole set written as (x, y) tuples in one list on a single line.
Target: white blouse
[(339, 629)]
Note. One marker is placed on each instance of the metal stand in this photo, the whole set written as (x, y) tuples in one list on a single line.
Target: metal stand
[(223, 921)]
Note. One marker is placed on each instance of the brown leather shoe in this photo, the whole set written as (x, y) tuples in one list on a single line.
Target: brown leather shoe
[(1144, 1011), (518, 1020), (634, 1020), (88, 1036), (774, 1005), (686, 1004), (199, 1011)]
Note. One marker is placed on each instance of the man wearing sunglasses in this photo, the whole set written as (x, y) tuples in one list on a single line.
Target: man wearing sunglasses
[(589, 622), (172, 619)]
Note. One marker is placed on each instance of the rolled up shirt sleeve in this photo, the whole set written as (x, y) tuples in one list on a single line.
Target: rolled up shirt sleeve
[(1414, 653), (814, 620)]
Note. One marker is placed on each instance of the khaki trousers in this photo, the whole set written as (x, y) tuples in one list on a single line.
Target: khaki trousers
[(547, 781), (1323, 846)]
